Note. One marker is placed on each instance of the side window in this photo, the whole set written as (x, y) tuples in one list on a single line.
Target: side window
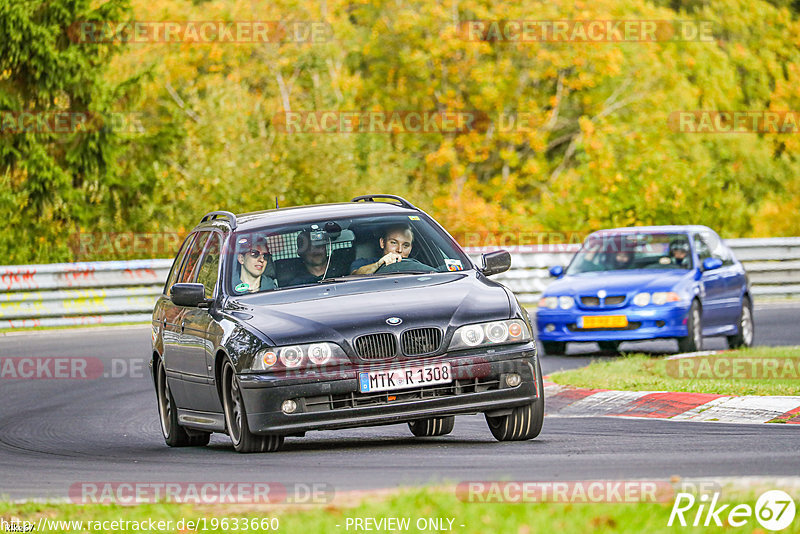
[(176, 265), (718, 248), (703, 250), (209, 266), (189, 272)]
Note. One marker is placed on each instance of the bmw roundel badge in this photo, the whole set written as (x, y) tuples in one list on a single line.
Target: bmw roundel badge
[(394, 321)]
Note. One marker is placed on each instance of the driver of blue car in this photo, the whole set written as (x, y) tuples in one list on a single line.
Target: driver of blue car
[(396, 245), (679, 253)]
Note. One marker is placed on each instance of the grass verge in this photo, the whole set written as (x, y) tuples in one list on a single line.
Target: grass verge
[(639, 372), (417, 505)]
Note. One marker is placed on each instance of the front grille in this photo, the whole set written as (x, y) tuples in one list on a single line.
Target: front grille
[(420, 341), (616, 299), (376, 346), (608, 301), (590, 301), (323, 403)]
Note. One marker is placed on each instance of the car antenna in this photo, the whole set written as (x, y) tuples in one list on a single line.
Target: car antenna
[(276, 202)]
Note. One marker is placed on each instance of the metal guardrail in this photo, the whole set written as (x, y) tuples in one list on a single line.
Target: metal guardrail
[(109, 292)]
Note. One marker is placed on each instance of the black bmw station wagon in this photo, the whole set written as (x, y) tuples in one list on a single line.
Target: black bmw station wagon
[(275, 323)]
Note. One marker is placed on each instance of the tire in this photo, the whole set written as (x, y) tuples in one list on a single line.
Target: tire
[(174, 434), (744, 338), (524, 422), (236, 418), (609, 346), (434, 426), (693, 342), (554, 348)]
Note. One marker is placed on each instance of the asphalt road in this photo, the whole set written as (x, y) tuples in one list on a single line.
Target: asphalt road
[(56, 433)]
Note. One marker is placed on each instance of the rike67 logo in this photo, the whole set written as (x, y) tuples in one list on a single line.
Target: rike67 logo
[(774, 510)]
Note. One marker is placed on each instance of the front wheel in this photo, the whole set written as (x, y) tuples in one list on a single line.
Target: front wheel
[(524, 422), (236, 418), (744, 338), (693, 342), (174, 434), (434, 426)]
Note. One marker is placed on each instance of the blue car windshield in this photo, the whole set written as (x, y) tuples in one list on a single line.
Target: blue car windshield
[(604, 251)]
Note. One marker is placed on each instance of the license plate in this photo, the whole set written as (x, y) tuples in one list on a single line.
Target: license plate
[(604, 321), (403, 378)]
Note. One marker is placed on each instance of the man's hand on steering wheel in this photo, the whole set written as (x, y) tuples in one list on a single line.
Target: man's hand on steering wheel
[(390, 258)]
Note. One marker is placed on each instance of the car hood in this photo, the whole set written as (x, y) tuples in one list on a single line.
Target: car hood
[(618, 282), (343, 311)]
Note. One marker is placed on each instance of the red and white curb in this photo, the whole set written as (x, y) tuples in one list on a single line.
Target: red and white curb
[(564, 401)]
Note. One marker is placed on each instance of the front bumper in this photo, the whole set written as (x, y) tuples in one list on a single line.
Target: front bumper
[(328, 403), (648, 322)]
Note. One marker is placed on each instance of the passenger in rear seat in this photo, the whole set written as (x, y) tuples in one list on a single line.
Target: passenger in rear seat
[(315, 260)]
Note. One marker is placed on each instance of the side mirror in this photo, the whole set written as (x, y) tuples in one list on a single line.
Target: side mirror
[(709, 264), (191, 295), (496, 262), (556, 271)]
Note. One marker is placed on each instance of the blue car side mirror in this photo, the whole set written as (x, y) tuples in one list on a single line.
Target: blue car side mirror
[(709, 264), (556, 271)]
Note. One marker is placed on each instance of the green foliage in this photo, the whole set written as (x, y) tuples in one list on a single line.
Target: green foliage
[(591, 144)]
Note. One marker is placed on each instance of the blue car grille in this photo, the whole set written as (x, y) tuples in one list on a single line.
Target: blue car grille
[(597, 302)]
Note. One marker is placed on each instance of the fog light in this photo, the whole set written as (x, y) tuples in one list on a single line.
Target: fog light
[(289, 406), (550, 327), (513, 380)]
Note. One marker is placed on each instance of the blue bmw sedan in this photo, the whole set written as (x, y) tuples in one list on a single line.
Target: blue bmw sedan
[(642, 283)]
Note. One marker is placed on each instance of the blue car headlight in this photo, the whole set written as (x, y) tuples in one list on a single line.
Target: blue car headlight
[(658, 298)]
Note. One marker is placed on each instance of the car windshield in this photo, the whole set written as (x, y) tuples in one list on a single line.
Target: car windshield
[(625, 251), (339, 250)]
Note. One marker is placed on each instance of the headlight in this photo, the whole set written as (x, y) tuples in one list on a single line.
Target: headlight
[(663, 297), (566, 303), (642, 299), (298, 357), (548, 302), (493, 333)]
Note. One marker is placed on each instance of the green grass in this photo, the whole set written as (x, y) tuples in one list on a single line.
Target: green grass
[(639, 372), (415, 504)]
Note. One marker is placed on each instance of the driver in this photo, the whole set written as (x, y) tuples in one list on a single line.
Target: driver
[(396, 245), (679, 253), (623, 259)]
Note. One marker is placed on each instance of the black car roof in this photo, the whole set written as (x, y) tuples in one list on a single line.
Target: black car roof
[(318, 212)]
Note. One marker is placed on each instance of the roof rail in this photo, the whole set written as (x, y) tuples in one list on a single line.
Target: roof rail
[(397, 200), (211, 215)]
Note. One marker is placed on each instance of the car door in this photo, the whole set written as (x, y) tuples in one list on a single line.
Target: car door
[(712, 288), (732, 275), (197, 336), (177, 356), (170, 320)]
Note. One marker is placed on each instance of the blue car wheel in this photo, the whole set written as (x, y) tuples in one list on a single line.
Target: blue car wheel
[(693, 342)]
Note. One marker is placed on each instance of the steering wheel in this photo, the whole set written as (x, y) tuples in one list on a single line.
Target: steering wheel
[(405, 265)]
